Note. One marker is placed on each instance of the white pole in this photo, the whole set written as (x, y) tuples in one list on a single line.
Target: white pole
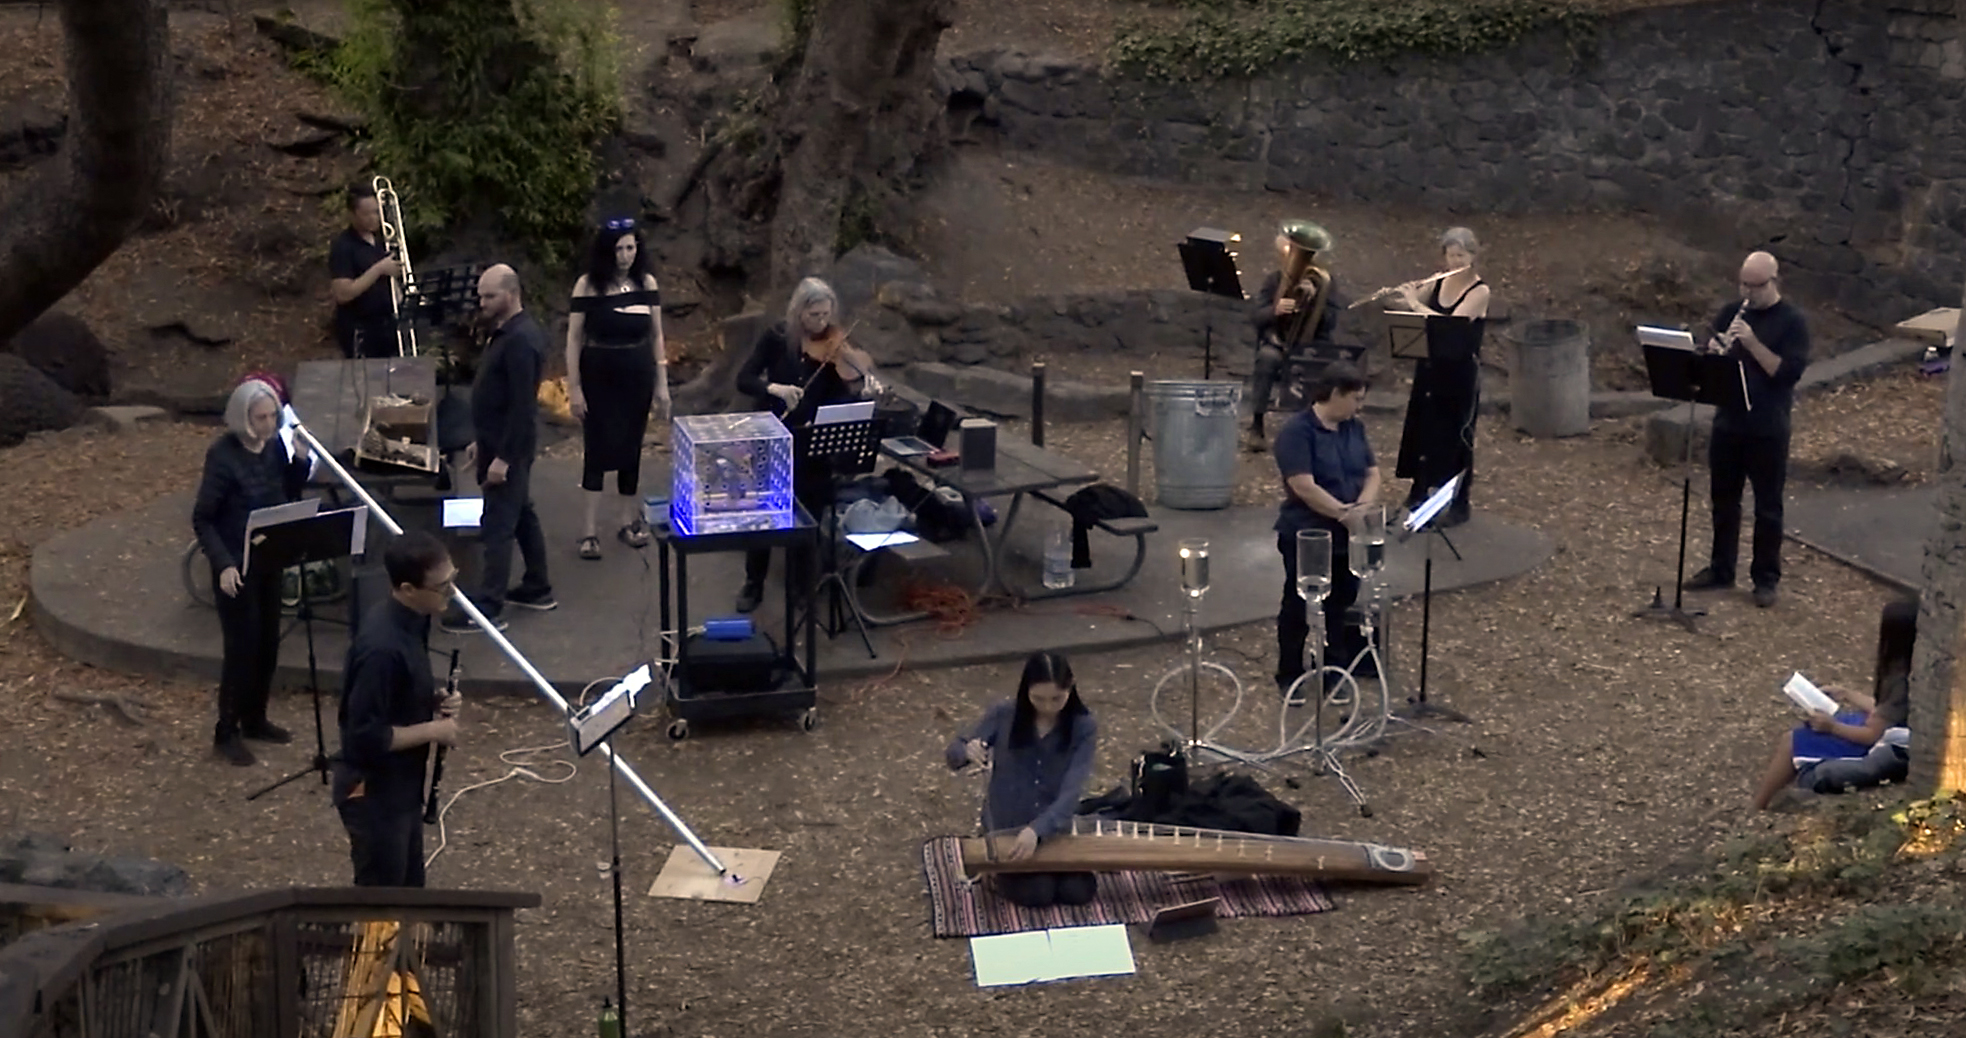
[(518, 658)]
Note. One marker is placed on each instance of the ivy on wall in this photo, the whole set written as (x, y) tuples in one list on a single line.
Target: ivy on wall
[(485, 107), (1220, 39)]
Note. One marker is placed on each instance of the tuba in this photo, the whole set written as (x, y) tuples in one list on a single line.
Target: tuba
[(1305, 282), (396, 240)]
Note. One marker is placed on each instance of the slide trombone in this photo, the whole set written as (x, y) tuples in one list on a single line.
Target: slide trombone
[(1410, 286), (395, 239)]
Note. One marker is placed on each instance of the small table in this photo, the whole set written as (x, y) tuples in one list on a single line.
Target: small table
[(1022, 469), (797, 672)]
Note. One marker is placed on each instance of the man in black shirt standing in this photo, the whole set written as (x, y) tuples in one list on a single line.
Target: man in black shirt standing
[(360, 264), (505, 416), (1751, 445), (391, 715), (1329, 475)]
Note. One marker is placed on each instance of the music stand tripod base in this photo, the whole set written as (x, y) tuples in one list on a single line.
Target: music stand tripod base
[(1659, 610)]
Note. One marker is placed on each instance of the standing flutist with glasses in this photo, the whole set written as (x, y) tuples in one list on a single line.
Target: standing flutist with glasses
[(391, 714), (1750, 445)]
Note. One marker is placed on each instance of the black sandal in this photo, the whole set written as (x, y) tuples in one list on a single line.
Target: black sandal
[(590, 547), (635, 534)]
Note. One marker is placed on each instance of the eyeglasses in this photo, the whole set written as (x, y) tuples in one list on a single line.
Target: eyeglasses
[(626, 223), (1752, 285), (448, 587)]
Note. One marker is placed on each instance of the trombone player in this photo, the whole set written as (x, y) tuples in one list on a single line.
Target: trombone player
[(361, 268), (1297, 307)]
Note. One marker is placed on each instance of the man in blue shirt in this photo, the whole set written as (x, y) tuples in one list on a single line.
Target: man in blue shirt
[(1750, 445), (1329, 474)]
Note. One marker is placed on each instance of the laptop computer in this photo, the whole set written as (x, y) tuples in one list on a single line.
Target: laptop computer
[(931, 434)]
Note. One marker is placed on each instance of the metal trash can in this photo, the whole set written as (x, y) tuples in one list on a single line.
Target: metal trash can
[(1193, 425), (1550, 380)]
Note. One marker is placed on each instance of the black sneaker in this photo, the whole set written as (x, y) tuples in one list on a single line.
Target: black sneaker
[(1764, 596), (233, 749), (1705, 580), (266, 731), (749, 596), (458, 623), (540, 600)]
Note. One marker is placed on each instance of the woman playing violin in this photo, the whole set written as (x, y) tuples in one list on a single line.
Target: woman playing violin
[(794, 383)]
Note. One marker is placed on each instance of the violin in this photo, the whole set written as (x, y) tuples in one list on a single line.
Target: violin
[(832, 350)]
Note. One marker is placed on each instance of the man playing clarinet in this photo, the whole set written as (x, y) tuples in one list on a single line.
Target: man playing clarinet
[(1750, 445), (391, 715)]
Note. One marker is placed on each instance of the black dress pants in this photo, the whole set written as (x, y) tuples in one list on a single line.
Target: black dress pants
[(509, 518), (1736, 460), (250, 625), (1044, 889), (385, 841), (1293, 614)]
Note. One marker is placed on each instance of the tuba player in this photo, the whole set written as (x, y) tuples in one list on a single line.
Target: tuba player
[(1297, 307)]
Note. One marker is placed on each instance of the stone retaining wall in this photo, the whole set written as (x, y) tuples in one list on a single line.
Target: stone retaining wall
[(1826, 128)]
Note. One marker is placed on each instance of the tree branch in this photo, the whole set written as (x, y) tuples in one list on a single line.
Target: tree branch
[(78, 209)]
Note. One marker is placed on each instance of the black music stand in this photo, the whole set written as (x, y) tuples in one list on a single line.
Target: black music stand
[(1697, 377), (1406, 335), (839, 450), (321, 537), (1208, 256), (1429, 511), (442, 301)]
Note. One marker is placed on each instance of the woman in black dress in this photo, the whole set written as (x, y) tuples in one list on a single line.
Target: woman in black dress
[(616, 371), (1438, 438), (247, 467)]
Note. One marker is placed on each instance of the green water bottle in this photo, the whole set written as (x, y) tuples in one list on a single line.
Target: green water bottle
[(610, 1020)]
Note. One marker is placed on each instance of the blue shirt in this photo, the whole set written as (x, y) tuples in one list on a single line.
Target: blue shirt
[(1037, 785), (1336, 459)]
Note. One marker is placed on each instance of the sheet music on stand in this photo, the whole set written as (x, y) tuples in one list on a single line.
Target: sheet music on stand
[(1679, 370), (294, 511), (1418, 519)]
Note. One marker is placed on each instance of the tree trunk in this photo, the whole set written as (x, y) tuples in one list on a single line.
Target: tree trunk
[(78, 208), (854, 110), (1938, 689)]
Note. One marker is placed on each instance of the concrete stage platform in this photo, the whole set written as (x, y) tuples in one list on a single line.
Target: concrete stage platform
[(110, 594), (1880, 530)]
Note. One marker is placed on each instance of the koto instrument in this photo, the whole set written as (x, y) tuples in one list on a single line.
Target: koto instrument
[(1094, 845)]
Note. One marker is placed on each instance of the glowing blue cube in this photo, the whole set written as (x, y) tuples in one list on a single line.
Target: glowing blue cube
[(733, 473)]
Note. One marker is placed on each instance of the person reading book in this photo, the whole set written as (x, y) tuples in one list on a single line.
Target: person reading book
[(1862, 746)]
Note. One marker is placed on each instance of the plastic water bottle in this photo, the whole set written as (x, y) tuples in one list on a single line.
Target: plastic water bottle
[(610, 1020), (1058, 560)]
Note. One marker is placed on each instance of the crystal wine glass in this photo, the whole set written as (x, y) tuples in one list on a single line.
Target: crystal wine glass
[(1313, 564), (1194, 566), (1368, 541)]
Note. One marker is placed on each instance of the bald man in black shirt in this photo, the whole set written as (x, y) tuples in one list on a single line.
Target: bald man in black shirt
[(1750, 445)]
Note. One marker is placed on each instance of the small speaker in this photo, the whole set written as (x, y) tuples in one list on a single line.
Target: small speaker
[(979, 444)]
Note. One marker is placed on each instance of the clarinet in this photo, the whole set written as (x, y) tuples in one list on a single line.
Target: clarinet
[(437, 769)]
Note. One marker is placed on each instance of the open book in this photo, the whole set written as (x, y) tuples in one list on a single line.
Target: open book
[(1806, 695)]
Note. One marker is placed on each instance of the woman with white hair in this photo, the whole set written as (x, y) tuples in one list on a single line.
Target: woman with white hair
[(793, 383), (246, 467), (1437, 441)]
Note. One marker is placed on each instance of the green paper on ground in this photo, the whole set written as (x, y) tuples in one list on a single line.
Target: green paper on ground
[(1042, 955)]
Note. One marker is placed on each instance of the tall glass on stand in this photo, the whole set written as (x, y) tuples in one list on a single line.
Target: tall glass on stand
[(1313, 585), (1194, 584), (1367, 561)]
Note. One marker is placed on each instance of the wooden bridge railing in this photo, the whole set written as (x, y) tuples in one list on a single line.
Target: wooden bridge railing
[(272, 964)]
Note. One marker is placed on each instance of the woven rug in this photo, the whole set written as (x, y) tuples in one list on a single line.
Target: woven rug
[(963, 909)]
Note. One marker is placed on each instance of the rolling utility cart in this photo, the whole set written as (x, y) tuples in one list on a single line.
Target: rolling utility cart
[(718, 676)]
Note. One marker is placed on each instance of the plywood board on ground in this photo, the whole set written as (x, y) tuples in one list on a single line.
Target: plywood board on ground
[(687, 876)]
